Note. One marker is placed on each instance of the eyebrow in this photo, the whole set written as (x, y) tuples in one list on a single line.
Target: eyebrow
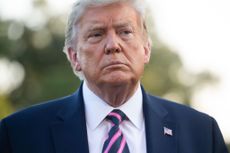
[(96, 25), (123, 24)]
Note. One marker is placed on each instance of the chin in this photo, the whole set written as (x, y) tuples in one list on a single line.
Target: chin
[(118, 78), (118, 81)]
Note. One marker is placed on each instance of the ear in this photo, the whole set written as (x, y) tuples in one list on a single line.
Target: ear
[(72, 54), (147, 52)]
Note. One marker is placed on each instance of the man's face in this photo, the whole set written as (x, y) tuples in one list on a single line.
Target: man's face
[(111, 46)]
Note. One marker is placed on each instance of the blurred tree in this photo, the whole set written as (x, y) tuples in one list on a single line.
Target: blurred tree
[(5, 107), (165, 76), (49, 75)]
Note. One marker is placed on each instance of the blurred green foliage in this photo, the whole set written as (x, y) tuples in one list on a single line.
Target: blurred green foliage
[(49, 75), (5, 106), (165, 76)]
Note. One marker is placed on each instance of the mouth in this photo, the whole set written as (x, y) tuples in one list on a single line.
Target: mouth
[(115, 65)]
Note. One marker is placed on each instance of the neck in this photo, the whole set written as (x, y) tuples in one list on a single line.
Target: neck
[(116, 95)]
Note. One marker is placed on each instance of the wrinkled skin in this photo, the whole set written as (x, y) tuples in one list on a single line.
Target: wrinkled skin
[(111, 51)]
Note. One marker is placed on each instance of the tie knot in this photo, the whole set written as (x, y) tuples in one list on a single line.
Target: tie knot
[(116, 116)]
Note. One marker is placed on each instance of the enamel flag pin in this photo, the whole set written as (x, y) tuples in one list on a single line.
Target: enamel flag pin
[(168, 131)]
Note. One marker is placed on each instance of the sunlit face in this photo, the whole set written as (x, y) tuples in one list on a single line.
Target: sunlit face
[(111, 46)]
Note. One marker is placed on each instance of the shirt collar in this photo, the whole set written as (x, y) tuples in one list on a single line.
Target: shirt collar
[(96, 109)]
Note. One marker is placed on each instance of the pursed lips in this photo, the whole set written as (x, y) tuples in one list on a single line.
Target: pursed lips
[(114, 64)]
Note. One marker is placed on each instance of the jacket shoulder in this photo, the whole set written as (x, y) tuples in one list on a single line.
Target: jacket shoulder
[(44, 111), (180, 111)]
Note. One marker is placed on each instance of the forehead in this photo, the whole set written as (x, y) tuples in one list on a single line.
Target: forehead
[(115, 13)]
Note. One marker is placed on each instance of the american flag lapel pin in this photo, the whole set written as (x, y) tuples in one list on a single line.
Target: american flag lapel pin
[(168, 132)]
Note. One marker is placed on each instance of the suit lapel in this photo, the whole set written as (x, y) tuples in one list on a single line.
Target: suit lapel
[(69, 130), (161, 135), (70, 135)]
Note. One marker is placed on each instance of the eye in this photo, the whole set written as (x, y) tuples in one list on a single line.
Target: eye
[(126, 33), (95, 36)]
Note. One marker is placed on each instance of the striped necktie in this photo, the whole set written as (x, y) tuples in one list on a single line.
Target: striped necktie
[(115, 143)]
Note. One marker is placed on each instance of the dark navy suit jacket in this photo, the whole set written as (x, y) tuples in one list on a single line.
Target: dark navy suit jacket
[(59, 126)]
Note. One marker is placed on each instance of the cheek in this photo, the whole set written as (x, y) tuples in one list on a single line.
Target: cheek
[(89, 56), (136, 52)]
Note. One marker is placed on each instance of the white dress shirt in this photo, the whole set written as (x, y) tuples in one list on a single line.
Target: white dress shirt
[(97, 128)]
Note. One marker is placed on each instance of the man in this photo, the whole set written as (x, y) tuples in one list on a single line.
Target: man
[(108, 46)]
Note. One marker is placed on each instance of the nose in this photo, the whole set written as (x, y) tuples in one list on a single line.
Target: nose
[(112, 44)]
